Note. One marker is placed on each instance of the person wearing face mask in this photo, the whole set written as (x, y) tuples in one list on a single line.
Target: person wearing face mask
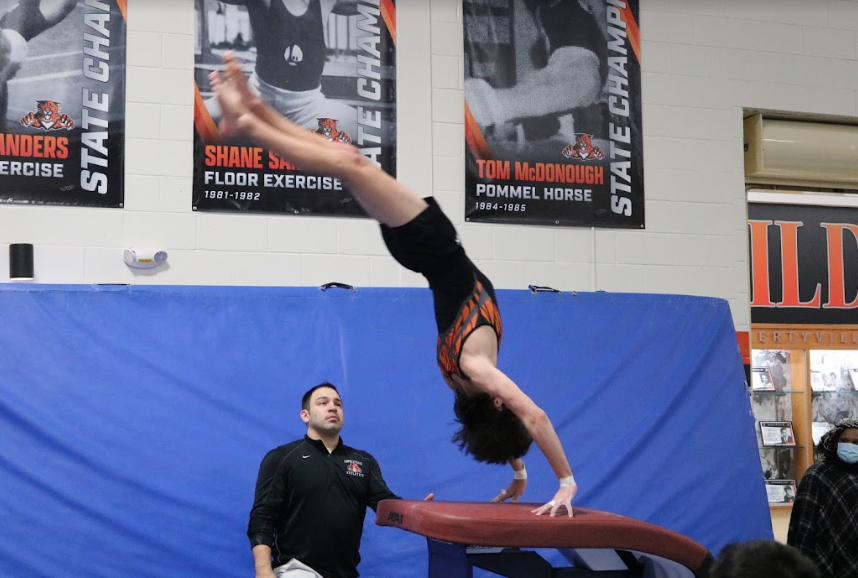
[(824, 521)]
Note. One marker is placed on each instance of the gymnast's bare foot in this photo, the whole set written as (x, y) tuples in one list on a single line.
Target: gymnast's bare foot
[(234, 111), (233, 73)]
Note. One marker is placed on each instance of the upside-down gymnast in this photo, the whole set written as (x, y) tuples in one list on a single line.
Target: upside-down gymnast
[(498, 420)]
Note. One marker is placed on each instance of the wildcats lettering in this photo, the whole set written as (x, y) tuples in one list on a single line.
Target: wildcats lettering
[(836, 235), (36, 146)]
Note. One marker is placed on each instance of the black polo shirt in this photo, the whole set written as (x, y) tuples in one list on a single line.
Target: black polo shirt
[(311, 505)]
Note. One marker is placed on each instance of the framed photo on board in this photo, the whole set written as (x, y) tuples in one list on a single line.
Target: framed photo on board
[(761, 379), (777, 433), (780, 491)]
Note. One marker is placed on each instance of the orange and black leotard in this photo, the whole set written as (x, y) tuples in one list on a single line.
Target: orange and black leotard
[(464, 298), (479, 309)]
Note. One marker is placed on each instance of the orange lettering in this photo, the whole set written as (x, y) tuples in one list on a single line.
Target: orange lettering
[(789, 264), (760, 263)]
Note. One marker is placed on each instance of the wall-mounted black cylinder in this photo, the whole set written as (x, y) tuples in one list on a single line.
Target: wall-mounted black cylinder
[(21, 262)]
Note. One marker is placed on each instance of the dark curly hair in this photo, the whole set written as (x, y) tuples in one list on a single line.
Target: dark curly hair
[(827, 447), (487, 434)]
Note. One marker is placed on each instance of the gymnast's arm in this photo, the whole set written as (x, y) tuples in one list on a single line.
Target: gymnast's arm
[(489, 379), (268, 504)]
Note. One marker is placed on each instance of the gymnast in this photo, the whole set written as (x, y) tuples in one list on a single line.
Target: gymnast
[(498, 420)]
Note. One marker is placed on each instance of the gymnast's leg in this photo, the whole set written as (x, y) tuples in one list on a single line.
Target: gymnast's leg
[(394, 206), (384, 198)]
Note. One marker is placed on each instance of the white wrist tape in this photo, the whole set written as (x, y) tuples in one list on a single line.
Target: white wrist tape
[(567, 481), (519, 474)]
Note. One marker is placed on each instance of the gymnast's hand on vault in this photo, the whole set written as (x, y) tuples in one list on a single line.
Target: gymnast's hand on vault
[(563, 498), (513, 492)]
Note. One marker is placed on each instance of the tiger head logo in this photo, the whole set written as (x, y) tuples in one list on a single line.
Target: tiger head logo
[(583, 149), (328, 129), (47, 116)]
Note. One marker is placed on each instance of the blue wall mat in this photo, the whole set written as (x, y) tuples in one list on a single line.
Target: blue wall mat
[(133, 419)]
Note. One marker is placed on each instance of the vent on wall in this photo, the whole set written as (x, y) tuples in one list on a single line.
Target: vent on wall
[(801, 154)]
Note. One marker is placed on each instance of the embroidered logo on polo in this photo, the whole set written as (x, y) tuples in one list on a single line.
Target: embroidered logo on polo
[(353, 468)]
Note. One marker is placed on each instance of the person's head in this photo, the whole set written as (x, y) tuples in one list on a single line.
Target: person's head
[(840, 443), (762, 559), (489, 431), (322, 411)]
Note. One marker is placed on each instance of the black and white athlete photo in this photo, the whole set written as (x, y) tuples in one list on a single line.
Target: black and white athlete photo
[(62, 102), (553, 112), (326, 65)]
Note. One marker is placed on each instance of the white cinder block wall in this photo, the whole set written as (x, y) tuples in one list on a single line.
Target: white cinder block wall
[(704, 60)]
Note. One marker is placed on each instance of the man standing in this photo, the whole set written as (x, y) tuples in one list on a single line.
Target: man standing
[(311, 498)]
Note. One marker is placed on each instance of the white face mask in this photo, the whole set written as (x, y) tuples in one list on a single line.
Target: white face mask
[(847, 452)]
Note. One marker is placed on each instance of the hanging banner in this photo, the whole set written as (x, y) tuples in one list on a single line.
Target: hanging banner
[(804, 264), (328, 65), (62, 102), (553, 113)]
